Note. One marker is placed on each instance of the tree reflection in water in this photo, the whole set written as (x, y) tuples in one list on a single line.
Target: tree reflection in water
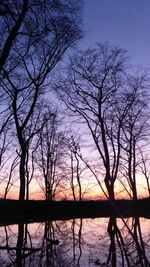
[(77, 243), (130, 246)]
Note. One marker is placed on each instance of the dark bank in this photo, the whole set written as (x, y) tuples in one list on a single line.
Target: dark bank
[(14, 211)]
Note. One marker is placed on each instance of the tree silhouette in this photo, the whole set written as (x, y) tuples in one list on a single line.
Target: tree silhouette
[(98, 90), (50, 155), (45, 31), (91, 91)]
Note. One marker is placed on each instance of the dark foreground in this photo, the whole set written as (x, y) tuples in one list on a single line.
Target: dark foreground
[(14, 211)]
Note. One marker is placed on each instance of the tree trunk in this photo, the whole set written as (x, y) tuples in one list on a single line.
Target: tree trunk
[(27, 191), (19, 248), (112, 249), (134, 191), (22, 174), (110, 187)]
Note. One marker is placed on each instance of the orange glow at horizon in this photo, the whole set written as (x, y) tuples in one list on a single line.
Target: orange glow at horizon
[(93, 192), (89, 196)]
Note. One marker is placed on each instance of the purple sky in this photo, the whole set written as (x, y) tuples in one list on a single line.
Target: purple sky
[(120, 22)]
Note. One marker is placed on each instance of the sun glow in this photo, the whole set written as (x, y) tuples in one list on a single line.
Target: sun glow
[(90, 190)]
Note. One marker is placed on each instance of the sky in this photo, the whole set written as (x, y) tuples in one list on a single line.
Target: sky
[(123, 23)]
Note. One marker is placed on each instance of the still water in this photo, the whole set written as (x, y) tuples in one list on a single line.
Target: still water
[(78, 242)]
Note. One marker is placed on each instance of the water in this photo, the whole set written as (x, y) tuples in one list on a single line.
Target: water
[(79, 242)]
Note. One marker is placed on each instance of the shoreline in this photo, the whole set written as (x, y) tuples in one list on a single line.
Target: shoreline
[(40, 210)]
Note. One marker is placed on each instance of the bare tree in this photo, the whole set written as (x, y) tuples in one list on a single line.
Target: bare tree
[(48, 29), (98, 90), (145, 170), (135, 130), (6, 155), (75, 168), (10, 181), (91, 90), (50, 155)]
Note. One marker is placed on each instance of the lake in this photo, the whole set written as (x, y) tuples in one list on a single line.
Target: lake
[(77, 242)]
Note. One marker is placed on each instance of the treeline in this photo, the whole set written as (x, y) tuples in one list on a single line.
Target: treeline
[(96, 91)]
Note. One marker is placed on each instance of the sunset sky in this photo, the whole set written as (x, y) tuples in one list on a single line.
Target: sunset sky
[(124, 23), (121, 23)]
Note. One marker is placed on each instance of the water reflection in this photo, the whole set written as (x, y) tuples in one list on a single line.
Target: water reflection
[(127, 245), (78, 243)]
